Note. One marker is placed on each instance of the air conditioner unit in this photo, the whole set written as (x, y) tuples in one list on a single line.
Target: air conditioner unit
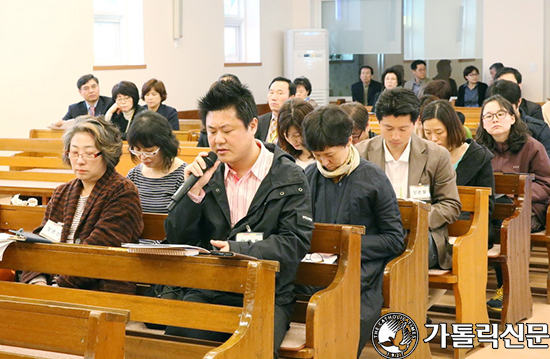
[(306, 54)]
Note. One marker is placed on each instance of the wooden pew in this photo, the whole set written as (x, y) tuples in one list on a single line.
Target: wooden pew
[(543, 239), (405, 286), (472, 115), (190, 125), (92, 332), (251, 325), (515, 239), (468, 276), (181, 135), (261, 108), (326, 325), (323, 326)]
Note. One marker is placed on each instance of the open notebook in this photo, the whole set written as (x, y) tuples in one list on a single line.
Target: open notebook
[(179, 250)]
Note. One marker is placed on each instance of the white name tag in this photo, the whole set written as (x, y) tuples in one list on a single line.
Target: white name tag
[(249, 237), (52, 231), (420, 192)]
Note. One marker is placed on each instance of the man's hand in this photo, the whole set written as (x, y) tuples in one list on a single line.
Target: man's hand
[(196, 168), (222, 245)]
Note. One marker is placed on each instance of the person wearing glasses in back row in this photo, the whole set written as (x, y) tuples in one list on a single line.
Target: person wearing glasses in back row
[(126, 106), (159, 173), (472, 93), (99, 207)]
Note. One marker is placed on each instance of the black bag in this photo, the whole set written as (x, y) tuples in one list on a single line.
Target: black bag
[(164, 292)]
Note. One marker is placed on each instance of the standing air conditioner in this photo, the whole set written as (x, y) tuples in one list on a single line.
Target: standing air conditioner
[(306, 54)]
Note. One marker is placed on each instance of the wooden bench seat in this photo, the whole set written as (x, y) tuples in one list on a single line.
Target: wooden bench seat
[(468, 276), (515, 239), (92, 332), (543, 239), (184, 134), (405, 285)]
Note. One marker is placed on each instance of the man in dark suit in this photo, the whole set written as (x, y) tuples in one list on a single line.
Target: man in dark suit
[(280, 90), (366, 85), (529, 108), (93, 104)]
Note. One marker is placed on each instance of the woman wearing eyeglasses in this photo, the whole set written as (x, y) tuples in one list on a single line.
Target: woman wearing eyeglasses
[(99, 207), (126, 106), (160, 172), (472, 93)]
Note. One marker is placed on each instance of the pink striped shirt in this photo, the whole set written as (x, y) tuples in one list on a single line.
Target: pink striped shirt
[(241, 191)]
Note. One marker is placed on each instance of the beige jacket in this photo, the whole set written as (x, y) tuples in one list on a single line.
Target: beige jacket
[(429, 164)]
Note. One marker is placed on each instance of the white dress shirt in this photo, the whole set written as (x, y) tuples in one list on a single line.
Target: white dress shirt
[(398, 170)]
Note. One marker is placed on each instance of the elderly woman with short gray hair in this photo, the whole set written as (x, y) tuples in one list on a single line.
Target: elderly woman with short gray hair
[(99, 207)]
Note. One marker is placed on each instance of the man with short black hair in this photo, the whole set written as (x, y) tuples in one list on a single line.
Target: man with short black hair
[(528, 107), (280, 90), (366, 91), (512, 92), (93, 104), (252, 188), (494, 69), (419, 81)]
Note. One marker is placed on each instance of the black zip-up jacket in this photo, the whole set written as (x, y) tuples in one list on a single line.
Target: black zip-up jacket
[(281, 210)]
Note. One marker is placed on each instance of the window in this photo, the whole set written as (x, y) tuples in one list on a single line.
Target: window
[(118, 32), (242, 31)]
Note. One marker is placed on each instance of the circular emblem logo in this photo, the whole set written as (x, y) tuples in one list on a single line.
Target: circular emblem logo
[(395, 335)]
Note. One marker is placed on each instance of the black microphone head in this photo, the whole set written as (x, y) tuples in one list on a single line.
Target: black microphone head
[(210, 159)]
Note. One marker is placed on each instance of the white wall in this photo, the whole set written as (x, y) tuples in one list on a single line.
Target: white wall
[(513, 33), (47, 44)]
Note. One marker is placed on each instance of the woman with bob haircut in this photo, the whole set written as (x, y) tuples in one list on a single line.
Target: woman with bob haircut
[(126, 107), (391, 79), (99, 207), (159, 173), (291, 116), (154, 94), (348, 189), (503, 132), (472, 93), (360, 117), (303, 90)]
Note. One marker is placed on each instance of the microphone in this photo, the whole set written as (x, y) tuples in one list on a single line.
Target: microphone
[(190, 182)]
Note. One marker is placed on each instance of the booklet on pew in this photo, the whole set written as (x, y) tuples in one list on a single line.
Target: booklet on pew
[(179, 250)]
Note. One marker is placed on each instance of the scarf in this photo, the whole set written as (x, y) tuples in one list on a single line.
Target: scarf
[(349, 165)]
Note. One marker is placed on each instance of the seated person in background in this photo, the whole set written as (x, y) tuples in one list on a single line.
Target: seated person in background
[(419, 81), (471, 161), (360, 117), (348, 189), (160, 173), (253, 187), (410, 161), (528, 107), (391, 78), (538, 129), (229, 77), (126, 106), (494, 69), (546, 112), (424, 101), (444, 70), (366, 91), (303, 90), (93, 104), (99, 207), (280, 90), (154, 94), (289, 126), (442, 91), (503, 132), (472, 93)]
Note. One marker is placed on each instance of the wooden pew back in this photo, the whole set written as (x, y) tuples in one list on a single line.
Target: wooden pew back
[(184, 134), (93, 332)]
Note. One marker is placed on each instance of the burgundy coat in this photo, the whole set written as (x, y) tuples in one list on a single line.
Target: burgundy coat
[(112, 216)]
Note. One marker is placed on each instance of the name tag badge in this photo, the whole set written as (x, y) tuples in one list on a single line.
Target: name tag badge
[(52, 231), (420, 192), (249, 237)]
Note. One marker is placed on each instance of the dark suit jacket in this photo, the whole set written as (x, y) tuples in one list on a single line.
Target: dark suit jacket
[(358, 92), (171, 114), (531, 109), (119, 120), (481, 91), (79, 109), (429, 164), (263, 126)]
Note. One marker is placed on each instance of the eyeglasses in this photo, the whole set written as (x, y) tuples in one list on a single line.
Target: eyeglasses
[(473, 75), (356, 135), (144, 154), (86, 156), (499, 115), (123, 99)]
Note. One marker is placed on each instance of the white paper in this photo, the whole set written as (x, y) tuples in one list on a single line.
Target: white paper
[(4, 243)]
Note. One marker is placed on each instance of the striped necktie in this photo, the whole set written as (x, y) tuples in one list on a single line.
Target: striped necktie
[(91, 112), (272, 134)]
